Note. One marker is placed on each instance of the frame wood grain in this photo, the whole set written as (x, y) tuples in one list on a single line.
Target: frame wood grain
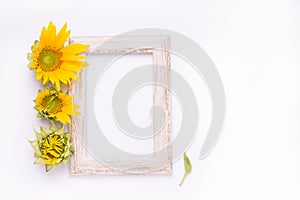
[(157, 46)]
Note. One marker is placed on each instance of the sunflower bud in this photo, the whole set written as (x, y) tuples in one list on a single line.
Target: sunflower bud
[(55, 105), (52, 146)]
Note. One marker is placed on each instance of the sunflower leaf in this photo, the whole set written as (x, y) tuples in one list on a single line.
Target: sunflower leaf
[(187, 168)]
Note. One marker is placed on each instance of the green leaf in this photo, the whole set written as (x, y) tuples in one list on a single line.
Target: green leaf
[(187, 168)]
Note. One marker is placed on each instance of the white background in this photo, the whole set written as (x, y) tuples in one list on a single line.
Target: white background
[(255, 46)]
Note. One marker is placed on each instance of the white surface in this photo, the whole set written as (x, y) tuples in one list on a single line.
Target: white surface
[(255, 46)]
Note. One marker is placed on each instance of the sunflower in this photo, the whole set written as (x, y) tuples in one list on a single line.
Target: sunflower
[(52, 146), (55, 105), (52, 61)]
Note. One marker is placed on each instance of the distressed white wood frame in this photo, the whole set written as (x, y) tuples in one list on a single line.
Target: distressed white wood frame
[(157, 46)]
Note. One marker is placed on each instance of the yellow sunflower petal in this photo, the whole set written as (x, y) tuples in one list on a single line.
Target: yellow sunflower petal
[(68, 109), (45, 80), (69, 74), (71, 66), (74, 49), (39, 76), (43, 38), (57, 83), (59, 75), (72, 57), (63, 117), (39, 70), (65, 98), (51, 35), (62, 36), (52, 77)]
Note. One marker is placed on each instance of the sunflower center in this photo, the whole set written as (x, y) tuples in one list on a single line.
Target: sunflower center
[(52, 147), (52, 104), (48, 59)]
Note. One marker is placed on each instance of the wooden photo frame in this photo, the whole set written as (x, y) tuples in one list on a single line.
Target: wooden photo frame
[(156, 45)]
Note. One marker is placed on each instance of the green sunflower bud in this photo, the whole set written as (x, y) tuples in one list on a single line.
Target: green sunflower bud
[(52, 146)]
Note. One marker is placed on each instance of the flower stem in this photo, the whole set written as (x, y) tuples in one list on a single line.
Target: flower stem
[(182, 180)]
